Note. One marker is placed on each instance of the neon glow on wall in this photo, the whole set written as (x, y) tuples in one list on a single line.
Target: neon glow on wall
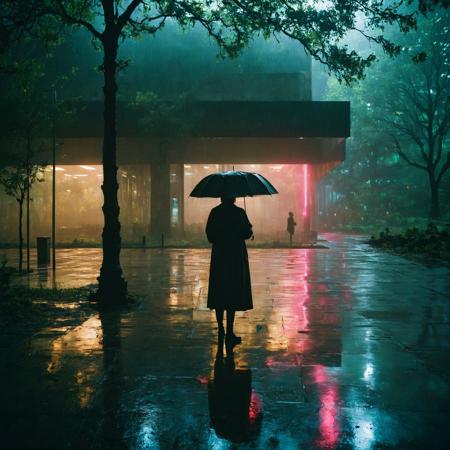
[(305, 190)]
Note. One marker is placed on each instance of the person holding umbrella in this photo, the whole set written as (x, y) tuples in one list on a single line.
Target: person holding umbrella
[(227, 229), (229, 279)]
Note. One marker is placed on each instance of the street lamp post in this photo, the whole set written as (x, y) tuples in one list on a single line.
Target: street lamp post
[(28, 199), (54, 187)]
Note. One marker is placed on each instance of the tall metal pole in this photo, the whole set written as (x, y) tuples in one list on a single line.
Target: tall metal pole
[(28, 199), (54, 189)]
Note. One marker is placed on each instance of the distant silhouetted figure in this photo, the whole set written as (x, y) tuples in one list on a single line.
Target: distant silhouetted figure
[(229, 276), (291, 224)]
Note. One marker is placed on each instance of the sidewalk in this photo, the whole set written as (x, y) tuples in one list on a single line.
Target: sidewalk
[(347, 347)]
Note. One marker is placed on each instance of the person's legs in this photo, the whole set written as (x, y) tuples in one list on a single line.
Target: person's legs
[(231, 339), (219, 318), (230, 321)]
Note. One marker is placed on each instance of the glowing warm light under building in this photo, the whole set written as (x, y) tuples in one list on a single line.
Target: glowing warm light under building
[(79, 195)]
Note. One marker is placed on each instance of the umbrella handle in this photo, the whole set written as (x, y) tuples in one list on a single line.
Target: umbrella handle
[(245, 207)]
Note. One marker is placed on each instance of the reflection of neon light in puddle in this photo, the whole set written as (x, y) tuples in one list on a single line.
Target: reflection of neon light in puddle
[(329, 425), (368, 372), (292, 334), (255, 409), (305, 189), (364, 434), (147, 435), (304, 344)]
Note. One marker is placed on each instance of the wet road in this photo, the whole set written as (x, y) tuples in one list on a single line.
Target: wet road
[(346, 348)]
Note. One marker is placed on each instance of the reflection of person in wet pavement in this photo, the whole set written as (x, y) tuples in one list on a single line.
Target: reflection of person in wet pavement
[(229, 279), (291, 224), (234, 409)]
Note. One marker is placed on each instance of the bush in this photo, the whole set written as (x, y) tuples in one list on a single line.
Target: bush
[(429, 241), (6, 274)]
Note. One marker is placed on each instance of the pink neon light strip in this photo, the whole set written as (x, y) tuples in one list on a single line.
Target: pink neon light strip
[(305, 189)]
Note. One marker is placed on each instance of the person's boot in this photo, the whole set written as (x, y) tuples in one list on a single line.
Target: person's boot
[(232, 340)]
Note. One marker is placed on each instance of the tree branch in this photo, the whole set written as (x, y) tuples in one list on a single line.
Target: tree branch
[(411, 134), (444, 169), (405, 157), (125, 16), (64, 14)]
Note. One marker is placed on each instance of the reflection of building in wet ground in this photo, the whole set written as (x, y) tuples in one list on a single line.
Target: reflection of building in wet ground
[(347, 348), (255, 112)]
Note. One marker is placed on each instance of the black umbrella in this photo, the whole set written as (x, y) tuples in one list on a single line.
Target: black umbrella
[(233, 184)]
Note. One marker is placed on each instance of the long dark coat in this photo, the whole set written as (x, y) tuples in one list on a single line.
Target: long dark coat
[(229, 277)]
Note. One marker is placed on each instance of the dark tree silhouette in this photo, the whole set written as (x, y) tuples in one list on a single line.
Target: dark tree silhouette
[(421, 111), (231, 23), (413, 107), (17, 180), (30, 109)]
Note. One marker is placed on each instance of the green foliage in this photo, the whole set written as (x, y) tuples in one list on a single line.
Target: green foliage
[(390, 108), (161, 118), (32, 109), (30, 104), (319, 28), (24, 310), (19, 176), (6, 274), (429, 242)]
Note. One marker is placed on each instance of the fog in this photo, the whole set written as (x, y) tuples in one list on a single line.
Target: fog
[(171, 63)]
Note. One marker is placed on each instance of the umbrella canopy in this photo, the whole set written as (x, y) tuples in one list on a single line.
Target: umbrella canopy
[(233, 184)]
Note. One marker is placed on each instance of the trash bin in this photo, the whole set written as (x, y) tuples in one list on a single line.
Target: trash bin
[(43, 250)]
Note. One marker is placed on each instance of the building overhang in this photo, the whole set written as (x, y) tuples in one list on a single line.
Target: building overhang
[(207, 150), (218, 119), (213, 132)]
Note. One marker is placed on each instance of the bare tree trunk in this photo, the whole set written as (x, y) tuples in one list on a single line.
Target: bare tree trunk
[(435, 210), (20, 235), (112, 286)]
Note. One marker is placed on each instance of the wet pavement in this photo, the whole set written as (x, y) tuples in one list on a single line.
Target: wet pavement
[(347, 347)]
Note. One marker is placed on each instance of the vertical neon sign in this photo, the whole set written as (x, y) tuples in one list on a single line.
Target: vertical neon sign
[(305, 190)]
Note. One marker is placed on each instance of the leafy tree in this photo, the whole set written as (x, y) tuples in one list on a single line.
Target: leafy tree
[(371, 183), (231, 24), (400, 119), (161, 118), (17, 180), (418, 117), (31, 112)]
